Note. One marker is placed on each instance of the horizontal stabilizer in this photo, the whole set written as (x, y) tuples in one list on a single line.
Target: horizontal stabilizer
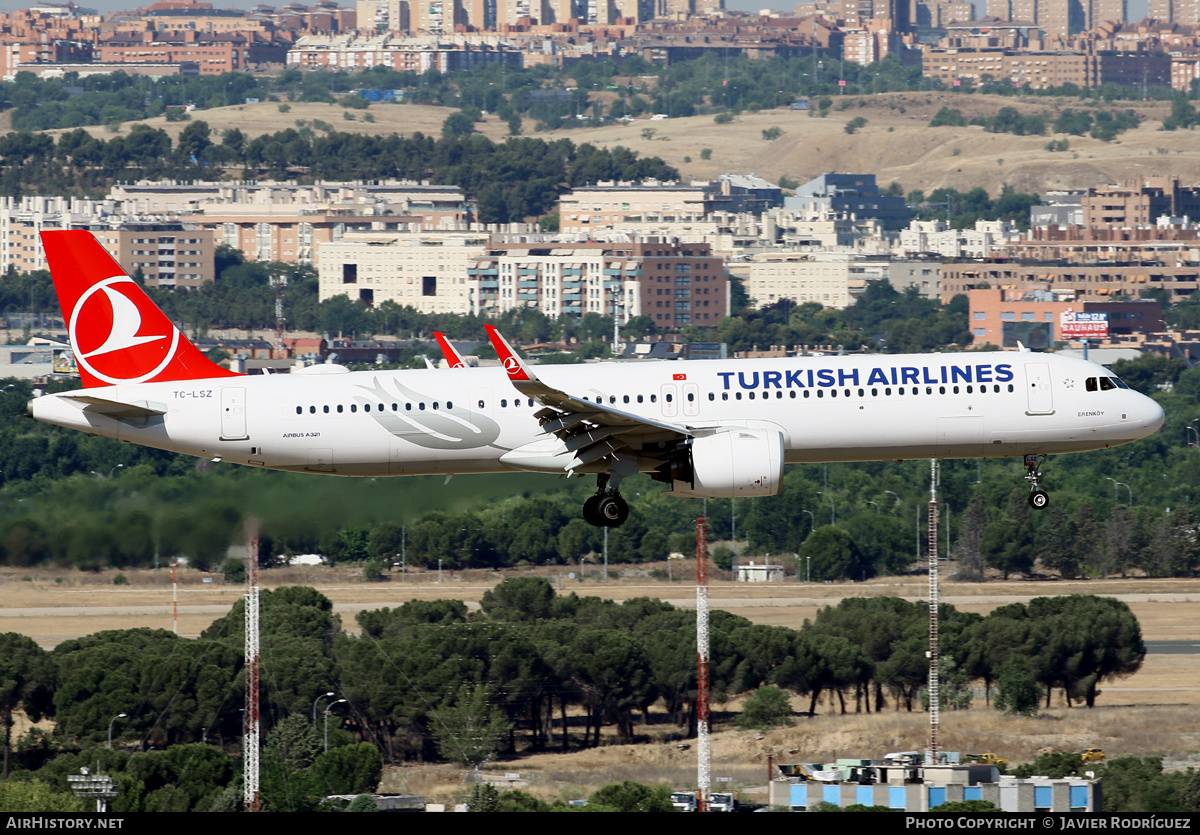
[(115, 408)]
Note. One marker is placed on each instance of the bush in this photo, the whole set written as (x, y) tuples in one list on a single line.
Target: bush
[(234, 570), (854, 124), (120, 580), (723, 118), (769, 707), (772, 133), (706, 153)]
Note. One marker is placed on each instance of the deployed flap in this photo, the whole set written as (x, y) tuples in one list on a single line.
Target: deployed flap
[(592, 431)]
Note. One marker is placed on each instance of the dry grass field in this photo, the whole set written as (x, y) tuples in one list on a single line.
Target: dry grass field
[(896, 143), (1151, 712)]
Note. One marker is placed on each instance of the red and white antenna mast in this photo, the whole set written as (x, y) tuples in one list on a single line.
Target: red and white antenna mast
[(704, 759), (933, 611), (251, 729)]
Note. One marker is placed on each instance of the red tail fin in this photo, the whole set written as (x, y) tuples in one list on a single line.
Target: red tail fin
[(453, 358), (118, 334)]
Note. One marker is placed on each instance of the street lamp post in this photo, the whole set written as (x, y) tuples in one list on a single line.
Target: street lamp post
[(110, 727), (832, 507), (331, 706), (318, 699)]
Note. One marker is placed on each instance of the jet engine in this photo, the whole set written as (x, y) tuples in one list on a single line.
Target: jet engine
[(729, 463)]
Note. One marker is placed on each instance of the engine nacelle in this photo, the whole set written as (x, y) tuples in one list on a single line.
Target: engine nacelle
[(732, 463)]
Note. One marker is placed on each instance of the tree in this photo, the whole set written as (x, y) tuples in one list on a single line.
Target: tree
[(470, 730), (632, 797), (769, 707), (457, 124), (23, 683), (1018, 692), (350, 769)]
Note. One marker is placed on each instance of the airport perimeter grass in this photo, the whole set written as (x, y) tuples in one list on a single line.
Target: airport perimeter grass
[(1149, 713)]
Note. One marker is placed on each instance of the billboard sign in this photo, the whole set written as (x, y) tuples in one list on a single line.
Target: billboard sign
[(1079, 325)]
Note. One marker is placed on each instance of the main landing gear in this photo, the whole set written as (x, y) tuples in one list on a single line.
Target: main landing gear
[(606, 509), (1033, 474)]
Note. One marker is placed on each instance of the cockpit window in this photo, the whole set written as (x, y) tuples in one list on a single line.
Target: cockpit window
[(1119, 382), (1091, 384), (1106, 384)]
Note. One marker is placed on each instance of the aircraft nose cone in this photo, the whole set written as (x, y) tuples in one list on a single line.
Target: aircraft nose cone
[(1153, 416)]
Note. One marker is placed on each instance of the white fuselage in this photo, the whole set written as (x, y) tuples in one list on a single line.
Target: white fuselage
[(850, 408)]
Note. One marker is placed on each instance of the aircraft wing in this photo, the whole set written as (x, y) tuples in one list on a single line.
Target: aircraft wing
[(592, 431)]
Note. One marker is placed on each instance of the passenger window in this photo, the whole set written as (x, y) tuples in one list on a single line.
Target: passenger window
[(421, 406), (449, 405), (325, 409), (625, 399), (300, 409), (408, 407), (354, 407), (481, 404), (751, 395), (396, 406), (503, 404), (653, 398), (339, 408), (435, 405), (639, 398)]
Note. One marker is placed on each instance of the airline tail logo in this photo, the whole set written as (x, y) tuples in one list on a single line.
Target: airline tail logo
[(117, 334), (513, 366), (112, 341)]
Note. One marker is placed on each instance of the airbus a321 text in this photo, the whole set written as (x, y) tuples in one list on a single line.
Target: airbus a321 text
[(707, 428)]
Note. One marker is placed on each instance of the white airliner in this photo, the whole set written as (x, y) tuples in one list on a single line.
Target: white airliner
[(708, 428)]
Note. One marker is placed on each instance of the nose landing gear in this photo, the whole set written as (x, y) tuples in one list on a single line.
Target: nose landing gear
[(1038, 498)]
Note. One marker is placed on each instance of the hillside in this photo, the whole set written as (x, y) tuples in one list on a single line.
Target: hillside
[(895, 144)]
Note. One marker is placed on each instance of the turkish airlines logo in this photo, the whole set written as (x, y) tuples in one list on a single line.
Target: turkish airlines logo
[(110, 339), (513, 366)]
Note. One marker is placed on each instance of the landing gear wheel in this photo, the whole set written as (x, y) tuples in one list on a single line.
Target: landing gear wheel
[(612, 511), (1033, 474), (590, 514)]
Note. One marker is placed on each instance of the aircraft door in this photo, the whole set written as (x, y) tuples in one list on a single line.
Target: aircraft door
[(670, 399), (691, 399), (233, 413), (1037, 387)]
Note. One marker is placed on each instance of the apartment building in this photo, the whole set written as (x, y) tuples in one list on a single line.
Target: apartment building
[(831, 279), (673, 282), (610, 205), (1139, 205), (1086, 282), (418, 54), (288, 222), (427, 271), (938, 237), (1041, 69), (167, 253)]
